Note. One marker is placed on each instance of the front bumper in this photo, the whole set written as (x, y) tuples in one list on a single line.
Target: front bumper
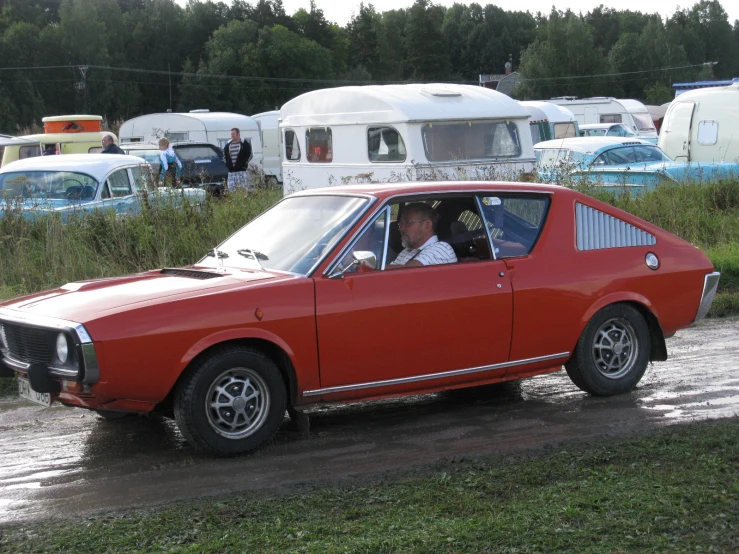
[(710, 285)]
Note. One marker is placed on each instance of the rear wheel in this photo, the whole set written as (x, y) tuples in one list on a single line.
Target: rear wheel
[(231, 401), (612, 353)]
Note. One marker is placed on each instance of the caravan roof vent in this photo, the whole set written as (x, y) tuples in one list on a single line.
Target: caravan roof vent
[(442, 92), (201, 110)]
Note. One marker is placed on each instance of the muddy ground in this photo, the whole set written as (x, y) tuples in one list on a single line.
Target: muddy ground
[(59, 462)]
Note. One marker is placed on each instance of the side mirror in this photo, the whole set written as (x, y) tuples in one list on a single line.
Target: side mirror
[(361, 257)]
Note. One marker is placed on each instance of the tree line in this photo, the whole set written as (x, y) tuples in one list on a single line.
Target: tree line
[(123, 58)]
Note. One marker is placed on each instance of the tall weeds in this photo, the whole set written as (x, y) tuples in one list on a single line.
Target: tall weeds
[(43, 253)]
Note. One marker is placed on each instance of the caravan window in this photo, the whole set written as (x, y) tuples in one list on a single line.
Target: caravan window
[(292, 146), (385, 144), (644, 121), (610, 118), (29, 152), (318, 145), (470, 140), (177, 136), (564, 130)]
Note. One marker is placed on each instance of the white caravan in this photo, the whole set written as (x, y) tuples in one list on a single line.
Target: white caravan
[(702, 125), (601, 109), (270, 133), (195, 126), (549, 121), (381, 133)]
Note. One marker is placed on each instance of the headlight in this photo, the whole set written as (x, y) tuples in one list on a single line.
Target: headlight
[(62, 350), (3, 338)]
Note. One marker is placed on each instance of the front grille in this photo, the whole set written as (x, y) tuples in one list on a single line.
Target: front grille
[(27, 344)]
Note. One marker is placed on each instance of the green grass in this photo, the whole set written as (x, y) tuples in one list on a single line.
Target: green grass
[(674, 490)]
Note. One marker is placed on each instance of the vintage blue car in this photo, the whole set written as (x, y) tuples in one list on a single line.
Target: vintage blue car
[(620, 163), (80, 183)]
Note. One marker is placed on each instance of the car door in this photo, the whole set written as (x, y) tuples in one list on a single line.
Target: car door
[(413, 324), (118, 192)]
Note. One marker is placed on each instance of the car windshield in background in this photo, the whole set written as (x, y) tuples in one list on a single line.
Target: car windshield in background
[(149, 156), (293, 236), (61, 185), (197, 154), (644, 121), (594, 132)]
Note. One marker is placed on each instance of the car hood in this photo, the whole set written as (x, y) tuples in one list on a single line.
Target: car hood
[(83, 301)]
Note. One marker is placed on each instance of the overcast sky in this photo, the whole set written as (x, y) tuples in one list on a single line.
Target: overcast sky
[(340, 11)]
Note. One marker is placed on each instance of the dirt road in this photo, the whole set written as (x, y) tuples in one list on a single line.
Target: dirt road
[(59, 462)]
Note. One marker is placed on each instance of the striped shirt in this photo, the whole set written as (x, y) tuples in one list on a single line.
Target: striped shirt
[(233, 150), (432, 252)]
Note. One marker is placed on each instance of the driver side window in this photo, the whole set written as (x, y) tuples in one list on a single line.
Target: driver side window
[(371, 240)]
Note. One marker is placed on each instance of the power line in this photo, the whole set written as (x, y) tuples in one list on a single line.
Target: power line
[(619, 73)]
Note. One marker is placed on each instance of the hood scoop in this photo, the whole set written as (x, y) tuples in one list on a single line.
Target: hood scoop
[(190, 273)]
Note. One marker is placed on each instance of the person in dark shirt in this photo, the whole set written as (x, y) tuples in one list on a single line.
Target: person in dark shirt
[(110, 147), (236, 156)]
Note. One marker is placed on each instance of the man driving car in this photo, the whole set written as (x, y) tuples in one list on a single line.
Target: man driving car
[(418, 225)]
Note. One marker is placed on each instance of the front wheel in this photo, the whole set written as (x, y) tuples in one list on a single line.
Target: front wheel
[(612, 353), (231, 401)]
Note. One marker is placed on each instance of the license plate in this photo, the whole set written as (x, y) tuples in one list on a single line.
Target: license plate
[(25, 391)]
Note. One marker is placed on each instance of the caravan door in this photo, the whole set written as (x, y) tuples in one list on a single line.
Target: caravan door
[(675, 137), (591, 115)]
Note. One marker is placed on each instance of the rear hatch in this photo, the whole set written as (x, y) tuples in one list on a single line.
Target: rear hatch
[(202, 166)]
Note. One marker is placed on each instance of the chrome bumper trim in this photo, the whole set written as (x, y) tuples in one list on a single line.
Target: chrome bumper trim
[(429, 376), (17, 365), (710, 284)]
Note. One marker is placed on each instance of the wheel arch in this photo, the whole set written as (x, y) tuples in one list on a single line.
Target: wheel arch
[(658, 351), (274, 351)]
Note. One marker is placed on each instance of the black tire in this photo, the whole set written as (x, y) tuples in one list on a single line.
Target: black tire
[(253, 400), (612, 353), (111, 415)]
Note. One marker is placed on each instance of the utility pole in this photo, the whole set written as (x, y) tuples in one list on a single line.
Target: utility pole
[(82, 85), (169, 74)]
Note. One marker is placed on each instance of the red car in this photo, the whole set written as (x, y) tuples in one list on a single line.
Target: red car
[(300, 307)]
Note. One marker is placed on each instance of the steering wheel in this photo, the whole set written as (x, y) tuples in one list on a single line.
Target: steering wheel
[(72, 195)]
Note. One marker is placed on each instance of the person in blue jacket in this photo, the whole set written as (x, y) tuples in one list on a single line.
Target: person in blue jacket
[(171, 164)]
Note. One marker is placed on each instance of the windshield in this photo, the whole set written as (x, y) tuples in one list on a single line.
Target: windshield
[(149, 156), (292, 236), (643, 153), (644, 121), (62, 185), (594, 132)]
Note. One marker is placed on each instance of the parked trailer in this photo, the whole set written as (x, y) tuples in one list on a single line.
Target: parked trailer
[(67, 134), (402, 133), (703, 125), (197, 126), (270, 134), (602, 109), (549, 121)]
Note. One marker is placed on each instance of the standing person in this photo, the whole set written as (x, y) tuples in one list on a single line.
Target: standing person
[(110, 147), (236, 156), (171, 164)]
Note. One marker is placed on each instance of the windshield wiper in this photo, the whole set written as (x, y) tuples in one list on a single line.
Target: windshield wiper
[(219, 255), (255, 255)]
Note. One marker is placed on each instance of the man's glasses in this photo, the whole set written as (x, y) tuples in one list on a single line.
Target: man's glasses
[(407, 222)]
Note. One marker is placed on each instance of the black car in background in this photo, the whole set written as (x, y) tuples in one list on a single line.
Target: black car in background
[(202, 163)]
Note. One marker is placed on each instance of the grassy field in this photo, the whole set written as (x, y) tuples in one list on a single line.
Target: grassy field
[(674, 490)]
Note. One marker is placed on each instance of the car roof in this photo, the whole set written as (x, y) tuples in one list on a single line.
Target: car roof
[(96, 165), (385, 190), (150, 145), (588, 144), (600, 125)]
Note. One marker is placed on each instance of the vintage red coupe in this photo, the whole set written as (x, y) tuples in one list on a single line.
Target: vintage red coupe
[(300, 307)]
